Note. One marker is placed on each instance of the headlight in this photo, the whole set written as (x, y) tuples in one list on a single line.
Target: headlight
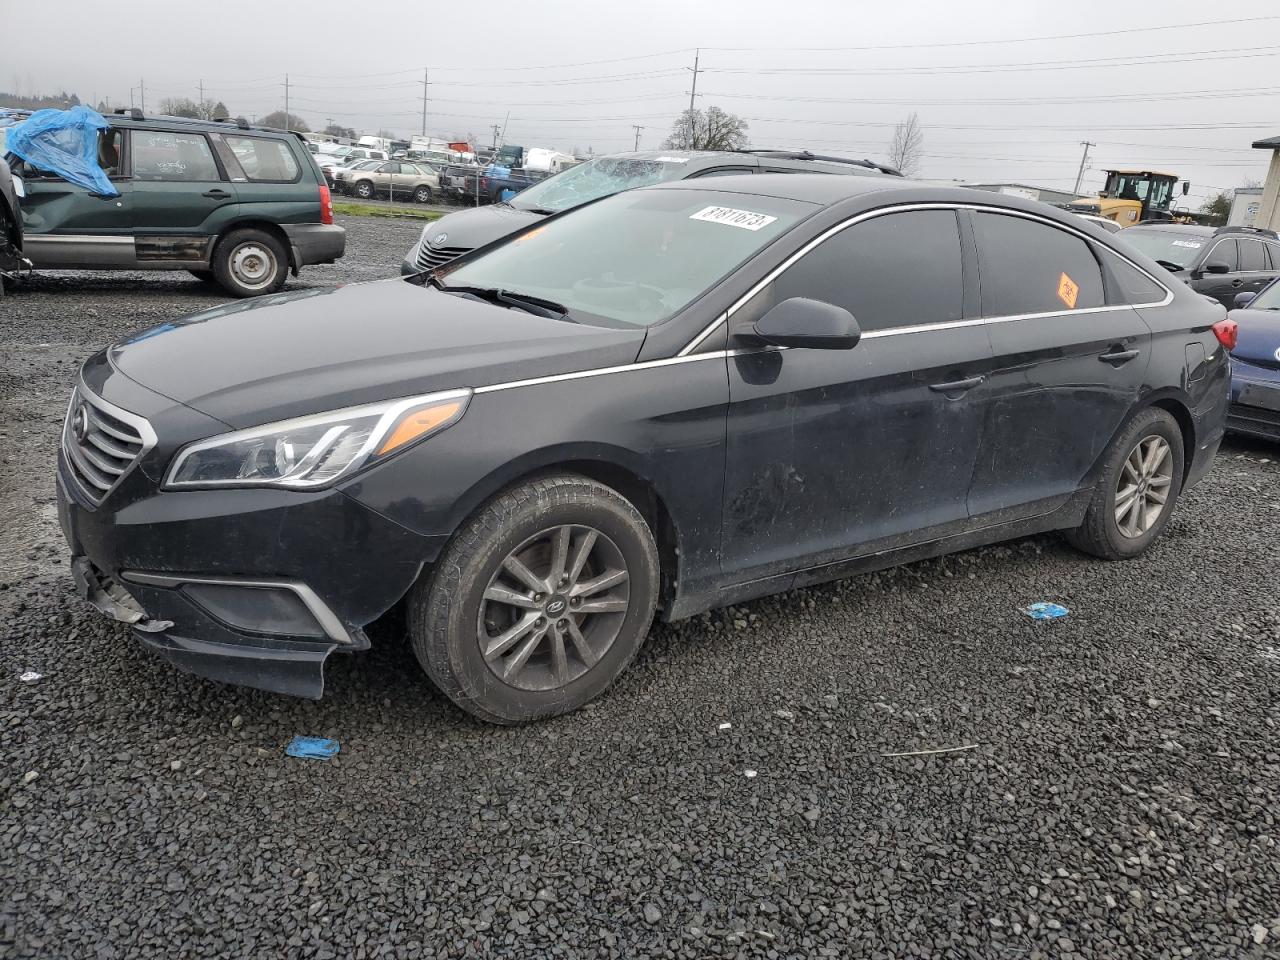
[(314, 451)]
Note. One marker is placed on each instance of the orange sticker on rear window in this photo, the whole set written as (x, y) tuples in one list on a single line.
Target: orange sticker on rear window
[(1068, 291)]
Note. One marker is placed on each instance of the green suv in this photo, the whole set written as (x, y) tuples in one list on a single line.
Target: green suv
[(226, 201)]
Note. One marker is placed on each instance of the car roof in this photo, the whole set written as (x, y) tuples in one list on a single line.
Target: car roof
[(1191, 229), (231, 123), (700, 159)]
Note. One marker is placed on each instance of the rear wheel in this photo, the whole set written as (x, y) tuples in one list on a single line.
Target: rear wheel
[(540, 601), (422, 194), (1140, 482), (249, 262)]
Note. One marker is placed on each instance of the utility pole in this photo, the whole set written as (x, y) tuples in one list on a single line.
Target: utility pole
[(497, 128), (286, 103), (637, 128), (142, 96), (425, 78), (1083, 159), (693, 92), (200, 102)]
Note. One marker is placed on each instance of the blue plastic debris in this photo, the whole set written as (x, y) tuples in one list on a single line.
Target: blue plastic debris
[(312, 748), (64, 142), (1045, 611)]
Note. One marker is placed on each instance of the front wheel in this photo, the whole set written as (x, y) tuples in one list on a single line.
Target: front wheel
[(1138, 487), (249, 262), (364, 190), (422, 195), (540, 601)]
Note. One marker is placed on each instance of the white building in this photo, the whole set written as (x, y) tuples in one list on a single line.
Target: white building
[(1269, 209)]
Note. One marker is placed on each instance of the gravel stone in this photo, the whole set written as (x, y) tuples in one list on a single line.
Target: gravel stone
[(433, 836)]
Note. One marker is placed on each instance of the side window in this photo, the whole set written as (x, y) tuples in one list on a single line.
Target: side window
[(898, 270), (1273, 256), (1253, 256), (168, 156), (110, 151), (1030, 267), (1224, 251), (1134, 286), (263, 159)]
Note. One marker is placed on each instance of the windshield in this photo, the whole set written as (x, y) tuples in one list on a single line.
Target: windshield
[(1179, 248), (598, 178), (1268, 299), (635, 258)]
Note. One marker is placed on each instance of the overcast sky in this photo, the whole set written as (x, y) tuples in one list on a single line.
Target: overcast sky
[(829, 75)]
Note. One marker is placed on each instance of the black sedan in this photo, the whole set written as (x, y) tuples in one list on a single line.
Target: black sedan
[(668, 400)]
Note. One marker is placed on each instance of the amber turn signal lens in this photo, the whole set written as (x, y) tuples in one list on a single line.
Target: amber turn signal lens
[(416, 423)]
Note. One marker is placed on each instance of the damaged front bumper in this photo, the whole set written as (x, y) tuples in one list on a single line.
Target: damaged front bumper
[(215, 649)]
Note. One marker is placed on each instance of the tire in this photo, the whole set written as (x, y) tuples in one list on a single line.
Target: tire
[(248, 263), (1112, 532), (422, 194), (451, 616), (364, 190), (204, 275)]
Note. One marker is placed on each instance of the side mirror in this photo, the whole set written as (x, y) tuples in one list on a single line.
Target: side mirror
[(1216, 266), (1243, 299), (800, 322), (1186, 187)]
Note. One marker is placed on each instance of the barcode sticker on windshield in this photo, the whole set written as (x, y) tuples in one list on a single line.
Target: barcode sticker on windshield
[(1188, 243), (734, 218)]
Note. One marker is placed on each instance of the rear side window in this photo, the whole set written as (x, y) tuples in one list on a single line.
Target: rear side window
[(163, 155), (1253, 256), (258, 159), (1031, 267), (1133, 286), (899, 270)]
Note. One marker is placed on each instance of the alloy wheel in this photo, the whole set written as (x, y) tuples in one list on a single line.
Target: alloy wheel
[(553, 608), (1142, 492)]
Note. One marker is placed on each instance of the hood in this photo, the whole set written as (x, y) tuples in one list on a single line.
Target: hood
[(468, 229), (1258, 338), (271, 358)]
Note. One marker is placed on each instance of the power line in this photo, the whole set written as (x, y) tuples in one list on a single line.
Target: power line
[(985, 43), (1015, 101)]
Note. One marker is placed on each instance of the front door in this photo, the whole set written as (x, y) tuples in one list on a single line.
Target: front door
[(838, 453), (1070, 357), (178, 192), (1224, 284), (67, 226)]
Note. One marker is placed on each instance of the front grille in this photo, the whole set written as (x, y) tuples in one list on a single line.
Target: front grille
[(430, 257), (101, 443)]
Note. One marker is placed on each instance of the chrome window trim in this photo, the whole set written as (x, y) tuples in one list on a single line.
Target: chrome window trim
[(604, 371), (830, 232), (325, 617)]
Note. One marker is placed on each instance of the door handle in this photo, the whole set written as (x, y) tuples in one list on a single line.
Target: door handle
[(216, 194), (1117, 357), (956, 386)]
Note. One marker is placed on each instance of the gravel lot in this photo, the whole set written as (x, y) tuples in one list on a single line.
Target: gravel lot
[(1120, 801)]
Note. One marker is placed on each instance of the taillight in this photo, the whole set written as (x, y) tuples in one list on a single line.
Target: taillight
[(1227, 332), (326, 204)]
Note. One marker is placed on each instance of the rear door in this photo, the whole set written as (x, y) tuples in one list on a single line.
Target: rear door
[(1255, 267), (67, 226), (178, 191), (1070, 356)]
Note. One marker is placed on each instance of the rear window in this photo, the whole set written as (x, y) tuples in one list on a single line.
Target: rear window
[(1028, 267), (258, 159)]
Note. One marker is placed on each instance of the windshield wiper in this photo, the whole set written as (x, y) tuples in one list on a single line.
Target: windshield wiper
[(541, 211), (521, 301)]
